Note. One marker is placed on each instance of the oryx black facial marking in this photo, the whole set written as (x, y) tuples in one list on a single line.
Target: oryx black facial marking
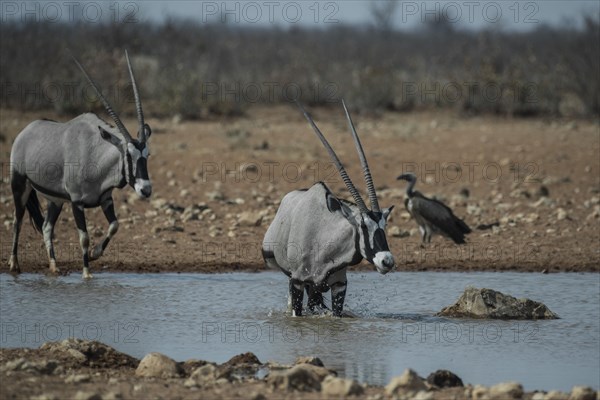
[(85, 140), (329, 233), (374, 244), (138, 152)]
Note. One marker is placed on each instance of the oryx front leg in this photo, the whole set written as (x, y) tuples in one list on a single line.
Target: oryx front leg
[(48, 230), (296, 297), (338, 296), (84, 239), (108, 208)]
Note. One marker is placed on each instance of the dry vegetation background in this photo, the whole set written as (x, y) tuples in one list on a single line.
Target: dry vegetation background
[(195, 70)]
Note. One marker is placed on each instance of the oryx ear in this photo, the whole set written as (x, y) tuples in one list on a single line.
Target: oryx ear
[(147, 131), (334, 205), (386, 212), (109, 137)]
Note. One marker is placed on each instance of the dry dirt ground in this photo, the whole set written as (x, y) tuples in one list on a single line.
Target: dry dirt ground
[(533, 190)]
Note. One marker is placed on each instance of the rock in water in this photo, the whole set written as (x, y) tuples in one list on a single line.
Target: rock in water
[(488, 303)]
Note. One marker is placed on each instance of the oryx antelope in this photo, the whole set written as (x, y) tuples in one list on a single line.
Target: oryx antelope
[(78, 162), (315, 236), (432, 215)]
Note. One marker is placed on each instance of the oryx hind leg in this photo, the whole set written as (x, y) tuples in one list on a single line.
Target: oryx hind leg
[(21, 190), (48, 231), (296, 297), (84, 239), (108, 208), (316, 304)]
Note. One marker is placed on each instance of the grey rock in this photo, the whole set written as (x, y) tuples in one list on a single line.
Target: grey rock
[(543, 191), (538, 396), (395, 231), (582, 393), (202, 376), (561, 214), (239, 367), (94, 353), (112, 396), (556, 395), (157, 365), (309, 360), (409, 381), (488, 303), (422, 395), (506, 390), (43, 367), (81, 395), (339, 387), (76, 354), (480, 393), (215, 195), (250, 218), (257, 396), (44, 396), (193, 212), (301, 377), (77, 378), (14, 365)]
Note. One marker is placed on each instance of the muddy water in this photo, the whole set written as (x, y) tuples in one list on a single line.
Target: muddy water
[(214, 317)]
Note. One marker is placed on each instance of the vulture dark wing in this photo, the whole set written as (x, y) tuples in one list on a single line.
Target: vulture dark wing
[(441, 217)]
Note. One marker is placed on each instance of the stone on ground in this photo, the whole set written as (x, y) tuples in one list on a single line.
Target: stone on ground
[(157, 365)]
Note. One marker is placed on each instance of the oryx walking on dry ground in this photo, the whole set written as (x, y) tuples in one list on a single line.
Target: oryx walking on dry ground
[(432, 215), (78, 162), (315, 236)]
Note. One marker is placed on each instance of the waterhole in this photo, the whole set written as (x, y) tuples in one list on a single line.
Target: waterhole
[(217, 316)]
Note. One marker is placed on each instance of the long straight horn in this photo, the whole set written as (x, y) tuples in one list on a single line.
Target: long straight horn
[(107, 105), (138, 102), (363, 162), (359, 201)]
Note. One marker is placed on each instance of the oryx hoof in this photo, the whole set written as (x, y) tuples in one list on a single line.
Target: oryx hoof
[(53, 268), (318, 310), (13, 265), (96, 252), (86, 274)]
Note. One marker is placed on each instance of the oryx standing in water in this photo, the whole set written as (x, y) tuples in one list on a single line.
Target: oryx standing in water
[(315, 236), (78, 162)]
